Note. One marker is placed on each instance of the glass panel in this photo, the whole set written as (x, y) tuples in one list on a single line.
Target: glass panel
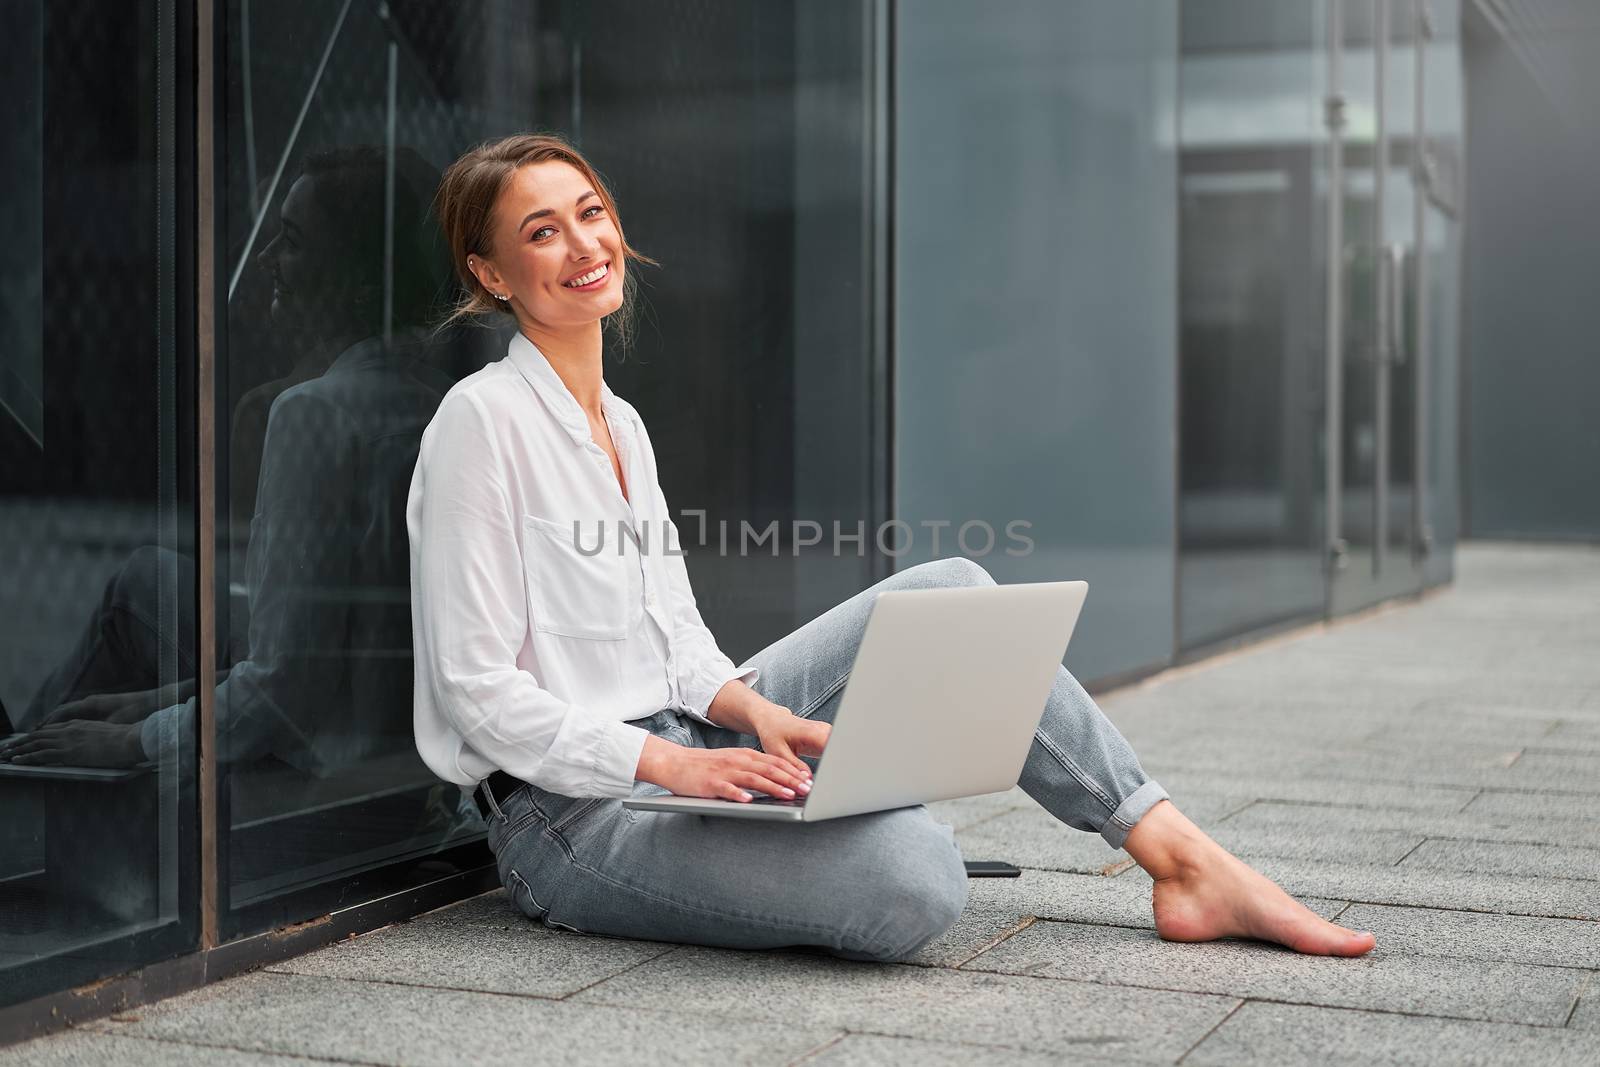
[(1034, 209), (1360, 260), (1441, 259), (1398, 243), (734, 138), (1251, 304), (97, 592)]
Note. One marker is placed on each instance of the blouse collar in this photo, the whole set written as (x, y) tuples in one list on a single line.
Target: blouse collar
[(535, 367)]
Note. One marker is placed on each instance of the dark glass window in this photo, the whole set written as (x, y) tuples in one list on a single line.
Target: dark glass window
[(734, 138), (97, 585)]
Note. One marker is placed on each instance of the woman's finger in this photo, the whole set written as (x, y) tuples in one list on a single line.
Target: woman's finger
[(729, 791), (781, 751), (773, 759), (30, 743), (770, 786), (41, 756), (776, 768)]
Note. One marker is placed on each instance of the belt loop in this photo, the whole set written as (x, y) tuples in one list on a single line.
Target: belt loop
[(488, 796)]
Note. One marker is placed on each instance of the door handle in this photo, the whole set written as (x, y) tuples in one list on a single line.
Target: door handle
[(1395, 257)]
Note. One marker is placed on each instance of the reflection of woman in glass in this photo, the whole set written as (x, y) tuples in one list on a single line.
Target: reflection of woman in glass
[(330, 449), (553, 680)]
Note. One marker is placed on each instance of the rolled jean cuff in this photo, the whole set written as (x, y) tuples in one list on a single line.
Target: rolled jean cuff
[(1130, 811)]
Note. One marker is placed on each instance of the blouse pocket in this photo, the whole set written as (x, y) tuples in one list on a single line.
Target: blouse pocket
[(573, 592)]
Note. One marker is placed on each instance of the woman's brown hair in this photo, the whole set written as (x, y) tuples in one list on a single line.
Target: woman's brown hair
[(464, 206)]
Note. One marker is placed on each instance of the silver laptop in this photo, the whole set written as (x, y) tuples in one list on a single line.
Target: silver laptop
[(947, 688)]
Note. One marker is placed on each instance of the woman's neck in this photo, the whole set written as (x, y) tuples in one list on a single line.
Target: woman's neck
[(575, 355)]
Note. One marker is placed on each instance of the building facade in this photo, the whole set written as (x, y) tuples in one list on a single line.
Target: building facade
[(1161, 296)]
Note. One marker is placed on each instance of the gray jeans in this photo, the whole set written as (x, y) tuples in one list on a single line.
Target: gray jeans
[(877, 886)]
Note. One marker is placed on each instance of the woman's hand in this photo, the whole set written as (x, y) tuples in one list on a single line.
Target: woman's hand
[(77, 744), (129, 707), (723, 773), (106, 707), (787, 736)]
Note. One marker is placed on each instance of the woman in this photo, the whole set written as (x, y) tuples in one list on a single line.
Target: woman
[(562, 678)]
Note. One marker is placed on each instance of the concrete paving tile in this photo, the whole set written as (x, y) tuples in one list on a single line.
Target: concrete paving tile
[(526, 959), (1453, 729), (1436, 706), (1496, 992), (493, 908), (1549, 830), (1565, 746), (1503, 857), (1519, 804), (965, 811), (1473, 935), (874, 1050), (1274, 1035), (812, 989), (1577, 772), (403, 1025), (82, 1048), (1259, 785), (1581, 731), (1357, 767), (1032, 837), (1036, 839), (1586, 1016), (1559, 898), (1376, 847)]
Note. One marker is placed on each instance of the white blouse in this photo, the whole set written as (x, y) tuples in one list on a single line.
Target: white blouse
[(534, 650)]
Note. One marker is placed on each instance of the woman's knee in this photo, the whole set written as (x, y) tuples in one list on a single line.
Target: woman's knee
[(947, 572), (920, 892), (136, 585)]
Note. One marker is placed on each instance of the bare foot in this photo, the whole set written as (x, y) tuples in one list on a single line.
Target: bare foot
[(1203, 892)]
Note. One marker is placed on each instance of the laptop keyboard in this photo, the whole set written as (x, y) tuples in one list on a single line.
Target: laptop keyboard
[(762, 798)]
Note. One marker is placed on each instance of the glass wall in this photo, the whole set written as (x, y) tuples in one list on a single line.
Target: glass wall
[(1036, 302), (735, 138), (97, 576), (1531, 157), (1318, 356), (1251, 316)]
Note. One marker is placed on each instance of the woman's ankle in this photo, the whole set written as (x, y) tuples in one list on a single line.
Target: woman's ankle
[(1168, 845)]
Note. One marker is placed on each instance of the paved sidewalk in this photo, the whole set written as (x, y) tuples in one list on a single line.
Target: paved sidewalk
[(1430, 772)]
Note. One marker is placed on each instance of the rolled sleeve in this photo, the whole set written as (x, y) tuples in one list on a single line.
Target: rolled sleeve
[(700, 684)]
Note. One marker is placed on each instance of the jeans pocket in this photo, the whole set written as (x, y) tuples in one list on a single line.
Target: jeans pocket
[(578, 810)]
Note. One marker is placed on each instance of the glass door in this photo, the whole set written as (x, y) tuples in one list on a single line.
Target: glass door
[(1377, 534)]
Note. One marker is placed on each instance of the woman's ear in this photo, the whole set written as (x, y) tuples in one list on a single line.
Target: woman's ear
[(484, 271)]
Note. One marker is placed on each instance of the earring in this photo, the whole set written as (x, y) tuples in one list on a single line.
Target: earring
[(497, 296)]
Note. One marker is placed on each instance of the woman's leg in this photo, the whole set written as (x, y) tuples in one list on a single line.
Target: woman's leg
[(1079, 767), (870, 887), (1083, 771), (123, 648)]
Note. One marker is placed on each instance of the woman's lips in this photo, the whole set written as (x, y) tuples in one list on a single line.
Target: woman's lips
[(597, 283)]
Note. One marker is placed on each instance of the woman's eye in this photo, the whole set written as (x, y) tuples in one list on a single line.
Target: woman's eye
[(534, 236)]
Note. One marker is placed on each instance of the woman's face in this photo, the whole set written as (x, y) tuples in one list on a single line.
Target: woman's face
[(552, 229), (297, 260)]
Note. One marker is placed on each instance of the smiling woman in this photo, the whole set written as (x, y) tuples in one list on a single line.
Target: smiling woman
[(552, 683)]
